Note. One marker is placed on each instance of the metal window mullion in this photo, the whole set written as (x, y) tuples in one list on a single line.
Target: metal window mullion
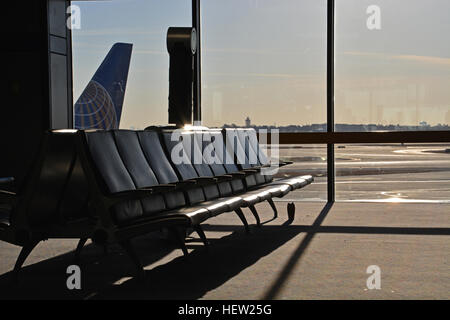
[(197, 96), (331, 173)]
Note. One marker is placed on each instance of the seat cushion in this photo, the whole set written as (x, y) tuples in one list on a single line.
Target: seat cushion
[(262, 193), (307, 178), (280, 191), (181, 218), (274, 190), (251, 198), (221, 205), (196, 214), (296, 182)]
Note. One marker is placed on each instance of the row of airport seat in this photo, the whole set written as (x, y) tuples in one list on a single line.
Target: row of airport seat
[(112, 186)]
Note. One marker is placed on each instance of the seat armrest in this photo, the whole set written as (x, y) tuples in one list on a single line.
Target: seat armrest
[(161, 188), (114, 198), (205, 180), (260, 167), (185, 183), (144, 192), (238, 174), (7, 197), (225, 177), (250, 171), (131, 194)]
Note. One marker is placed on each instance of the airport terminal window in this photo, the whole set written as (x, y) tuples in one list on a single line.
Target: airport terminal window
[(143, 24), (264, 63), (392, 65), (393, 172), (264, 66)]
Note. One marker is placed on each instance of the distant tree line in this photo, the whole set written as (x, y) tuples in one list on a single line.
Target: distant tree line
[(342, 127)]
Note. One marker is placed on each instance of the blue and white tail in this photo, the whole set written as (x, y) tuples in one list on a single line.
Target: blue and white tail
[(100, 104)]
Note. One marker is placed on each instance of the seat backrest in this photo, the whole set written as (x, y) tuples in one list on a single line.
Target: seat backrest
[(239, 152), (245, 139), (112, 172), (177, 146), (217, 148), (136, 163), (254, 154), (253, 140), (134, 159), (211, 166), (251, 137), (74, 205), (201, 165), (108, 162), (55, 191), (236, 148), (160, 165)]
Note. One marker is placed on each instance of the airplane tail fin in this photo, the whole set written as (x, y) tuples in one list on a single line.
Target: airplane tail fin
[(100, 104)]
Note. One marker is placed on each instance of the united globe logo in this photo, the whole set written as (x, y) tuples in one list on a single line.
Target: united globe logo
[(95, 108)]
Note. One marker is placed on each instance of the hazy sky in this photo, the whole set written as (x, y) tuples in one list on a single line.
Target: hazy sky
[(266, 59)]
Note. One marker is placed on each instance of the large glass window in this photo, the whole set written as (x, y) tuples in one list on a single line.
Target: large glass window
[(264, 66), (144, 24), (393, 172), (392, 65), (265, 60)]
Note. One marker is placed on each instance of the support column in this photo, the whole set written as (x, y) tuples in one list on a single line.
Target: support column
[(196, 23), (330, 100)]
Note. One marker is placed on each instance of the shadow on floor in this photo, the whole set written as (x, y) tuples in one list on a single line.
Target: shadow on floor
[(47, 279), (204, 270), (317, 227), (182, 277), (188, 277)]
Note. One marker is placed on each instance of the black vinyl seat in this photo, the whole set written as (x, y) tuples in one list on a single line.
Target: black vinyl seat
[(221, 162), (196, 199), (249, 197), (112, 186), (249, 162), (134, 189), (164, 173), (213, 200), (51, 201), (203, 169), (183, 148), (243, 156), (248, 137), (123, 166)]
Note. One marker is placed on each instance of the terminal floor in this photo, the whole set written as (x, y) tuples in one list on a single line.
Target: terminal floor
[(323, 253)]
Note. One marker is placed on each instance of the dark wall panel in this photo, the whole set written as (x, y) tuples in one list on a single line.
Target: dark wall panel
[(24, 103), (36, 86)]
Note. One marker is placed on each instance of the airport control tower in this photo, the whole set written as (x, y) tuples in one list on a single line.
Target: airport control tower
[(248, 122)]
